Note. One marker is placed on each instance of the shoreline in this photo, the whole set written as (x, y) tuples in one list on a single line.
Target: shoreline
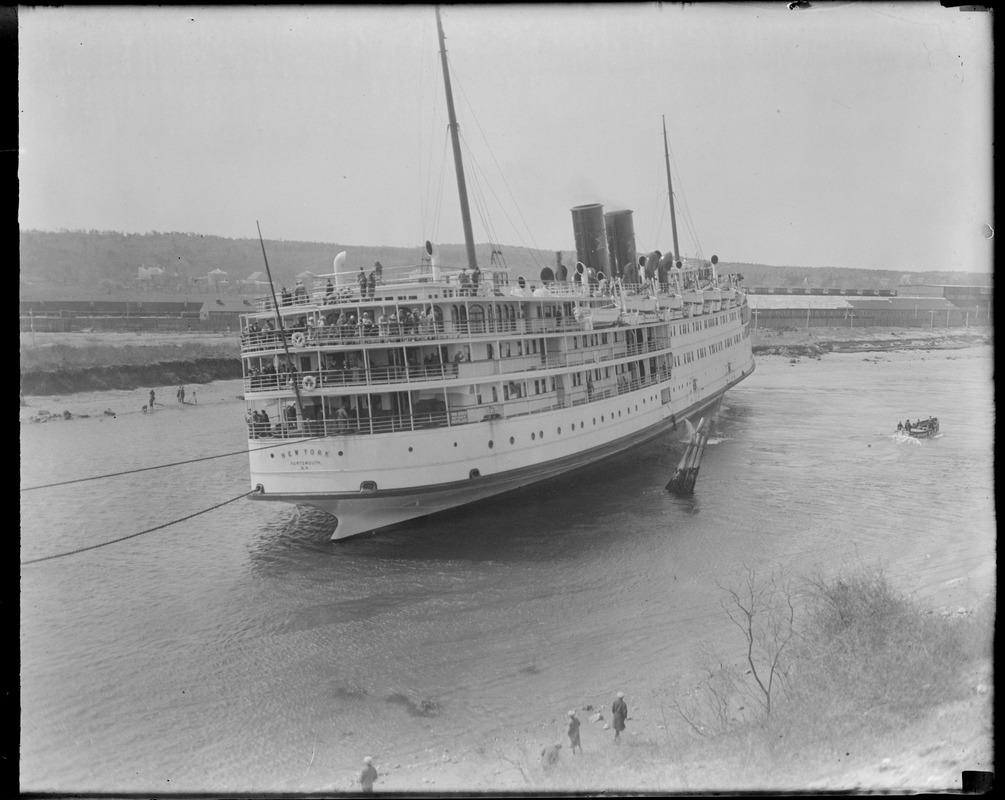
[(68, 363)]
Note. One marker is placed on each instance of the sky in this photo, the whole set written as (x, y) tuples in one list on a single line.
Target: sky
[(843, 134)]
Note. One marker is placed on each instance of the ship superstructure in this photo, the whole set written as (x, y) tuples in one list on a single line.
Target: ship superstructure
[(384, 397)]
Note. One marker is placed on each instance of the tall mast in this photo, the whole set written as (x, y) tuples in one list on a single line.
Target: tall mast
[(673, 215), (469, 239)]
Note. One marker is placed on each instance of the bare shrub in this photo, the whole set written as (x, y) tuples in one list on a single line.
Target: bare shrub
[(870, 646), (764, 611), (709, 707)]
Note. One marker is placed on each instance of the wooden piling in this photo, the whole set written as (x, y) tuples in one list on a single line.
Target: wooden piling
[(684, 477)]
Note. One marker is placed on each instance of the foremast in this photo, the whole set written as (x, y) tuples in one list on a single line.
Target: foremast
[(469, 240)]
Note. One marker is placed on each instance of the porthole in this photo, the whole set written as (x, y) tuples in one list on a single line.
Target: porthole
[(540, 434), (619, 412), (601, 417), (491, 444), (511, 440), (340, 452), (559, 430), (409, 449), (533, 437), (272, 455), (455, 444), (594, 420), (636, 408)]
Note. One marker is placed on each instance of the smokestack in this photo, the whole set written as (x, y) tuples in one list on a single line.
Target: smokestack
[(591, 237), (621, 240)]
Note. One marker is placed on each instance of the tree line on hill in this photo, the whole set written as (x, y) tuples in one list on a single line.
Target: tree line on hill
[(62, 261)]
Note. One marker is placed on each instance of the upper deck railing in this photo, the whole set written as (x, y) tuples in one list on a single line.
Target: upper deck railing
[(271, 380), (429, 328), (417, 290)]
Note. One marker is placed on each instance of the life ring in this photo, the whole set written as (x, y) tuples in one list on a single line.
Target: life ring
[(310, 383), (298, 339)]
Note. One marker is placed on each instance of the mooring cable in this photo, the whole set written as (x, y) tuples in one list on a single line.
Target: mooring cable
[(141, 533), (164, 466)]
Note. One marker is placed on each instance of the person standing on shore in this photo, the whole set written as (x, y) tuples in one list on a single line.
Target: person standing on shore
[(619, 710), (367, 775), (152, 399), (573, 732), (181, 394)]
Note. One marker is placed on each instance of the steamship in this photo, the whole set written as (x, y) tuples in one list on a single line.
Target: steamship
[(429, 387)]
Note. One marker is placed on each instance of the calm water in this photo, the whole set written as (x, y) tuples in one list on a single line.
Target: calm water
[(218, 654)]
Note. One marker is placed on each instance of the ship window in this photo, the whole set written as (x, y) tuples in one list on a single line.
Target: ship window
[(368, 486)]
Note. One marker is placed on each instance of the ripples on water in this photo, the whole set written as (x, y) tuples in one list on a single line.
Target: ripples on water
[(220, 653)]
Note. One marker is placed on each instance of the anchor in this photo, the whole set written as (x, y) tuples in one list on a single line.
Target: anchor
[(684, 477)]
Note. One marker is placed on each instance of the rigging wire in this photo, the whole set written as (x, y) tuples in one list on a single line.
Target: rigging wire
[(439, 193), (496, 162), (684, 207), (162, 466), (141, 533), (532, 250), (432, 106)]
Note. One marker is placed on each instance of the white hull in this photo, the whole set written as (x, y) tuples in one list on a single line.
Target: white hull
[(590, 433)]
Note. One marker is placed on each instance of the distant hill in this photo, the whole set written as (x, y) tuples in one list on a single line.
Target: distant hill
[(107, 263), (847, 278)]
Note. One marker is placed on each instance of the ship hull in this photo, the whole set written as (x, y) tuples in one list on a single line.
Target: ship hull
[(361, 512)]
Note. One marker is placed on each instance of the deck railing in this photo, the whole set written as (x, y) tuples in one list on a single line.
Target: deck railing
[(388, 422), (472, 371)]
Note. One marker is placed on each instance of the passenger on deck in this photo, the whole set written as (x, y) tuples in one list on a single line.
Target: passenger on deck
[(371, 284), (361, 280), (300, 293), (285, 297), (329, 290), (383, 324)]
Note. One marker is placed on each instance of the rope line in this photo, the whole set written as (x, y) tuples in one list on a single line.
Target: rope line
[(164, 466), (141, 533)]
